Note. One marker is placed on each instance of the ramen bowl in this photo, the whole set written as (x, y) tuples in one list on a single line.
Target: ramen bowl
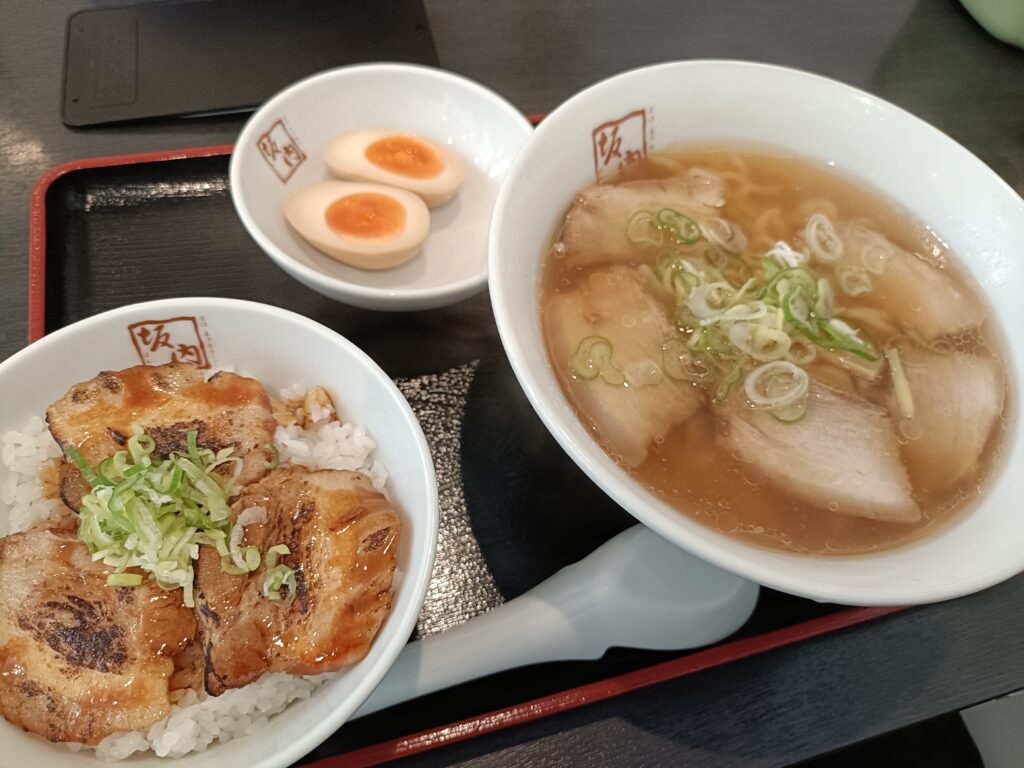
[(281, 149), (620, 120), (279, 348)]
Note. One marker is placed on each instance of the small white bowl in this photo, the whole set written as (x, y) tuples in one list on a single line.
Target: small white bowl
[(939, 181), (279, 348), (281, 149)]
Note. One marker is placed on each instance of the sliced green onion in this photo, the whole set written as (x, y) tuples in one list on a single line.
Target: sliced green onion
[(771, 268), (801, 351), (904, 397), (790, 414), (725, 234), (710, 300), (83, 466), (824, 305), (275, 552), (154, 513), (642, 229), (140, 446), (839, 335), (786, 280), (750, 288), (124, 580), (593, 358), (190, 443), (822, 239), (228, 567), (754, 310), (875, 252), (766, 344), (251, 555), (276, 578), (782, 254), (684, 229), (776, 385), (854, 282), (732, 377)]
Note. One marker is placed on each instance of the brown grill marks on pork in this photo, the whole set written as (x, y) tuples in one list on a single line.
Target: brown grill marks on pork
[(80, 660), (167, 402), (81, 631), (342, 535), (174, 437), (72, 485)]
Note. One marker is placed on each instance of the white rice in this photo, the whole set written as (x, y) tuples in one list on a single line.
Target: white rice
[(197, 720), (22, 453)]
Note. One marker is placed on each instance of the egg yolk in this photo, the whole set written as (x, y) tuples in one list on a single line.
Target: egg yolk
[(405, 156), (366, 215)]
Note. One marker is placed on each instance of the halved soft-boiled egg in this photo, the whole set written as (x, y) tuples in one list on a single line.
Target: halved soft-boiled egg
[(370, 226), (399, 159)]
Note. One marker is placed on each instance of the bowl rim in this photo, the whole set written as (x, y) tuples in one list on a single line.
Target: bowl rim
[(417, 580), (418, 296), (628, 492)]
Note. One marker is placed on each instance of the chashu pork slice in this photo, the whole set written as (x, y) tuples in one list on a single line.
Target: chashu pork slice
[(843, 452), (595, 226), (919, 295), (612, 303), (167, 402), (80, 660), (932, 303), (342, 535), (958, 398)]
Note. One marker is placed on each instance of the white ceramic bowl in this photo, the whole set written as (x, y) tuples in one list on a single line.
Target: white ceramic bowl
[(279, 348), (939, 181), (281, 148)]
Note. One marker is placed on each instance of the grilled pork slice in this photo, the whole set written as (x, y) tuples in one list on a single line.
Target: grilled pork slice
[(595, 227), (958, 399), (612, 303), (167, 401), (842, 452), (342, 534), (80, 660)]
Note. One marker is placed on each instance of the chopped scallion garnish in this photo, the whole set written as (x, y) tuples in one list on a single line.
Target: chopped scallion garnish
[(904, 397), (154, 513)]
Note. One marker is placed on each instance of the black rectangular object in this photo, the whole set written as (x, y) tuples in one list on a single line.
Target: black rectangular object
[(191, 58)]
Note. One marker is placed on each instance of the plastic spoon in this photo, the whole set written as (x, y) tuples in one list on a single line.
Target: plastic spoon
[(637, 591)]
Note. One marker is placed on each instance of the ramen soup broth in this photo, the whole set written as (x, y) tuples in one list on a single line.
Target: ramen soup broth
[(904, 392)]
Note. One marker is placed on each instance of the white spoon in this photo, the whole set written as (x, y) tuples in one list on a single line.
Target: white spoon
[(636, 591)]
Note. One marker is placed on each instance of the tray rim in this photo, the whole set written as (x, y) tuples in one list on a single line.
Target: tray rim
[(487, 722), (37, 217), (600, 690)]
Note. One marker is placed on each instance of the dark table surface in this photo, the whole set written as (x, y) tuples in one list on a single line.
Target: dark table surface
[(927, 56)]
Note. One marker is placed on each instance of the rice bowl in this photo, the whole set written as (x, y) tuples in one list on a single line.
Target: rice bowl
[(371, 411)]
